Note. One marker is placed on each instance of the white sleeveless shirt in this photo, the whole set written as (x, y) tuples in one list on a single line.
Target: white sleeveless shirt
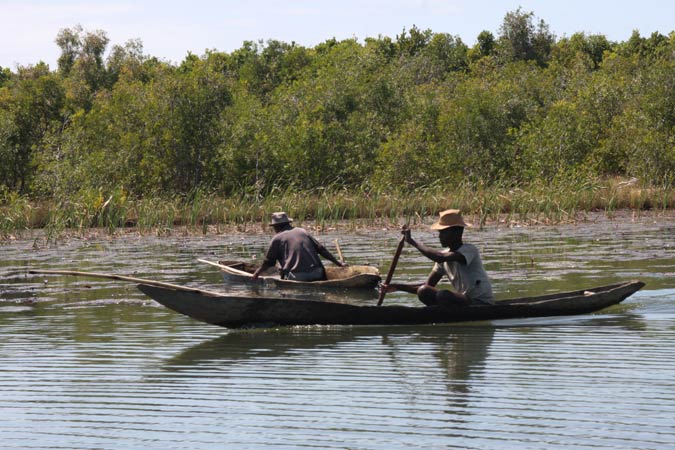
[(469, 279)]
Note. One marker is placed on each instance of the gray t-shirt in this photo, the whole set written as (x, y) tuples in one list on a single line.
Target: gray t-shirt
[(469, 279), (295, 250)]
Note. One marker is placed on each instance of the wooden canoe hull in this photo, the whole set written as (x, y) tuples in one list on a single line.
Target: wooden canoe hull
[(348, 277), (235, 312)]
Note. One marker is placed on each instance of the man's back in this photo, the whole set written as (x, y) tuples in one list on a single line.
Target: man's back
[(296, 250)]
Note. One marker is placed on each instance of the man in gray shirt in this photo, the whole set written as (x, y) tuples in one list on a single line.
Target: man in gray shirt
[(296, 251)]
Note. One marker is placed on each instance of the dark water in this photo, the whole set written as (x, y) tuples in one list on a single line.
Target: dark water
[(89, 364)]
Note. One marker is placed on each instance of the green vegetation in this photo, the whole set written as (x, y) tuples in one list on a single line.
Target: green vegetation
[(519, 124)]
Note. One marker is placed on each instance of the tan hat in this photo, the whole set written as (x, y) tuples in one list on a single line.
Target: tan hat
[(279, 218), (449, 218)]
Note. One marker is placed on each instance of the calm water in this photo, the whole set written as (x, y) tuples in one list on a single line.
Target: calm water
[(92, 364)]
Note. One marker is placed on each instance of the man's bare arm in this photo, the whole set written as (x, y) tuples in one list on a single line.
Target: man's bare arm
[(323, 251), (264, 266), (410, 288), (437, 256)]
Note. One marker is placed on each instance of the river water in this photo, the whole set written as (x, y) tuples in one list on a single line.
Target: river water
[(93, 364)]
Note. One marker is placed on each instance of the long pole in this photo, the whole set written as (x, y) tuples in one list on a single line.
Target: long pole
[(391, 269), (124, 278)]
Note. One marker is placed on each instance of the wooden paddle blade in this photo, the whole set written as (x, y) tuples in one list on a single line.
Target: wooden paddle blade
[(390, 273)]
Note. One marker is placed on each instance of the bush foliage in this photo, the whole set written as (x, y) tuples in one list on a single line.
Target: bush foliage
[(388, 115)]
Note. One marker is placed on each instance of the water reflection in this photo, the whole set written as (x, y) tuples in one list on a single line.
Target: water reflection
[(462, 357), (258, 343), (457, 359), (242, 345), (419, 358)]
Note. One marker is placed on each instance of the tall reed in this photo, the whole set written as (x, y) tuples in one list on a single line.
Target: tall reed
[(563, 200)]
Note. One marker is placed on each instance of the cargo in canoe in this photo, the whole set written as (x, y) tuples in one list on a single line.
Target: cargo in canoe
[(234, 312), (347, 277)]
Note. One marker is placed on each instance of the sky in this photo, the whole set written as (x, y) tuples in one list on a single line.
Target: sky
[(170, 29)]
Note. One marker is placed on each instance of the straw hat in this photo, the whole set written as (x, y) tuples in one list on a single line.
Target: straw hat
[(279, 218), (449, 218)]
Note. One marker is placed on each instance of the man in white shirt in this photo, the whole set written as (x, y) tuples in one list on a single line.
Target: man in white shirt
[(459, 262)]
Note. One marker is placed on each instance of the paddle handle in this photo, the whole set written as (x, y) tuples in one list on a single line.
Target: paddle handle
[(390, 273), (339, 250)]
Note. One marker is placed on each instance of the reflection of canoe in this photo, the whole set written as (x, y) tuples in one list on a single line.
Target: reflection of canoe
[(233, 312), (347, 277), (290, 341)]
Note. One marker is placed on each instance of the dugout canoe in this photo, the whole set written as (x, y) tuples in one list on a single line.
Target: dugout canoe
[(347, 277), (235, 312)]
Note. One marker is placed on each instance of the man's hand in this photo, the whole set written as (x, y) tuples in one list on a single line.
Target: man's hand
[(387, 288), (405, 287), (408, 237)]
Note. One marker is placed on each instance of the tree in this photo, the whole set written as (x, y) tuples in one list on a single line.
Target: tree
[(412, 157), (521, 40), (8, 151), (69, 41), (592, 48), (485, 42), (560, 142), (156, 136), (264, 67), (30, 110), (126, 60), (5, 75), (81, 63), (646, 48), (412, 42), (447, 53)]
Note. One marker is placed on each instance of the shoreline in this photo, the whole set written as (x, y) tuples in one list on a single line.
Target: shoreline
[(320, 209), (42, 238)]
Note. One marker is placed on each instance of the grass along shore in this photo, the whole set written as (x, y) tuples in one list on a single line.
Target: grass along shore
[(327, 208)]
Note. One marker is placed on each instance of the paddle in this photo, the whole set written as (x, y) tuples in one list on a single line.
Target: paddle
[(391, 268), (339, 250), (125, 278)]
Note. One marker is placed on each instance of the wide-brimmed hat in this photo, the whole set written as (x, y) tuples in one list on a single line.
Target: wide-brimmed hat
[(279, 218), (449, 218)]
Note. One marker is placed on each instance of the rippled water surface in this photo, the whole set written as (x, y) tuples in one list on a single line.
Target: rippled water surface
[(93, 364)]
